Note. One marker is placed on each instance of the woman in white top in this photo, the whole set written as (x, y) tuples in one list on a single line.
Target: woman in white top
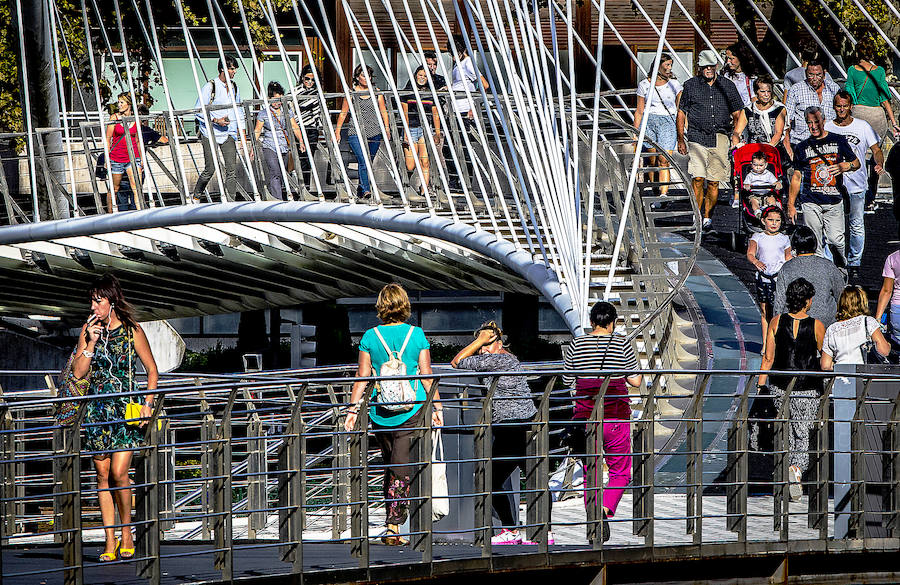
[(462, 88), (845, 339), (661, 107), (740, 70)]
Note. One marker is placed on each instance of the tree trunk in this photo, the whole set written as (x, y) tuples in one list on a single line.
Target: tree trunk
[(44, 102)]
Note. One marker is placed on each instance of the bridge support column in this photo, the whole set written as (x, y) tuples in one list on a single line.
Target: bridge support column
[(69, 517)]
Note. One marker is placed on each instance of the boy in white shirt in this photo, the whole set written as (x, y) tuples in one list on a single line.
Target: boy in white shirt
[(760, 182), (768, 251)]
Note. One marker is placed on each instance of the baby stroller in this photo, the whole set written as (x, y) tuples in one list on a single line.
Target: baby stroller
[(743, 164)]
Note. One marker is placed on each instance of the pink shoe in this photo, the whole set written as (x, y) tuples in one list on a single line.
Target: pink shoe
[(549, 540), (506, 537)]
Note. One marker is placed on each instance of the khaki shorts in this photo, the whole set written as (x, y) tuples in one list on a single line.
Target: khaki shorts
[(710, 163)]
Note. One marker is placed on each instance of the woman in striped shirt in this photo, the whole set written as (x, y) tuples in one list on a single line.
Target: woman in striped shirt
[(601, 349)]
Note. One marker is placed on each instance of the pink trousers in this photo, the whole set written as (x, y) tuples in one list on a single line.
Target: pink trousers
[(617, 453)]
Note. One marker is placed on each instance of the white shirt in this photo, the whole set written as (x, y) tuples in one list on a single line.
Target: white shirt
[(844, 338), (744, 85), (770, 250), (861, 137), (663, 102), (234, 114), (463, 78), (754, 179)]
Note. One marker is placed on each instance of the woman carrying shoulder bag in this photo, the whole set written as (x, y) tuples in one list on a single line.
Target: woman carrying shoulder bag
[(393, 422), (848, 339), (108, 346)]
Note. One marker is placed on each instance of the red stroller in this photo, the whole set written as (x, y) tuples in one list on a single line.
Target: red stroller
[(743, 164)]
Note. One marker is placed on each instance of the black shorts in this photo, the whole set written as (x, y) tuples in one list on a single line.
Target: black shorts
[(765, 288)]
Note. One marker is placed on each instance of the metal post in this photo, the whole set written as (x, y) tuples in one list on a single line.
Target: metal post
[(483, 473), (70, 503), (858, 464), (537, 473), (7, 474), (695, 464), (737, 466), (892, 471), (420, 520), (820, 463), (167, 477), (148, 531), (643, 476), (291, 490), (593, 470), (781, 488), (221, 488), (359, 473)]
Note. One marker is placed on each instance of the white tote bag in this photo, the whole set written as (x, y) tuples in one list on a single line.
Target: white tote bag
[(440, 502)]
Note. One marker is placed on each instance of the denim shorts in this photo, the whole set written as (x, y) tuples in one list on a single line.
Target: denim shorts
[(118, 168), (416, 133), (661, 130)]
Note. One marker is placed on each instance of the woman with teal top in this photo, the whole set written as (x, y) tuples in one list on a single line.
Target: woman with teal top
[(394, 424), (108, 346), (867, 85)]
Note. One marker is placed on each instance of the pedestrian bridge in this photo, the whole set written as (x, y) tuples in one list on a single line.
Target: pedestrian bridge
[(250, 478)]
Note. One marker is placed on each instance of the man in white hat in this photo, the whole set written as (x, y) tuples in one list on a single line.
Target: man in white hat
[(709, 122)]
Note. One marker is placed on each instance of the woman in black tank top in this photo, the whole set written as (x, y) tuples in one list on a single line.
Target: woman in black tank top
[(795, 340)]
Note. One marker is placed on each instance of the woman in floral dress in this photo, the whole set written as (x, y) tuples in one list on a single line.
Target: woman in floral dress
[(109, 344)]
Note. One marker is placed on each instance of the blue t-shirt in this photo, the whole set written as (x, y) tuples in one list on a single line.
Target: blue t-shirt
[(394, 336), (812, 157)]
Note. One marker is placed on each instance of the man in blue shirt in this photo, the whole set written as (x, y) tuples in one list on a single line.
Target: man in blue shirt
[(817, 184)]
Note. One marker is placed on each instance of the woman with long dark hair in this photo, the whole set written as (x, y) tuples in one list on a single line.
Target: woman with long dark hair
[(794, 342), (366, 109), (108, 346)]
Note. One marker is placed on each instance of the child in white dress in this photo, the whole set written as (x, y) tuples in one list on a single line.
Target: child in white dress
[(768, 251)]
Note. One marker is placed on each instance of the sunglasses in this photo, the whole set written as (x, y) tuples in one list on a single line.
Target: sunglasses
[(309, 78)]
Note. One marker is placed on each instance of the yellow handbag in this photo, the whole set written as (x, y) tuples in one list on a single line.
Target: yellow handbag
[(133, 409), (133, 415)]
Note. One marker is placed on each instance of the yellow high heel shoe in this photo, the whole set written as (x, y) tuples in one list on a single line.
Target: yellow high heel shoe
[(109, 557), (126, 553)]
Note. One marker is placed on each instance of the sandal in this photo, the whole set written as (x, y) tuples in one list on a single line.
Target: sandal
[(109, 557), (126, 553), (393, 538)]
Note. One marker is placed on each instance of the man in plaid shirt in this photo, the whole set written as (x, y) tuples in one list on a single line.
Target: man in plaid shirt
[(709, 122)]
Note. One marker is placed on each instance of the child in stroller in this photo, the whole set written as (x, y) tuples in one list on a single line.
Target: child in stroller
[(761, 184), (757, 169)]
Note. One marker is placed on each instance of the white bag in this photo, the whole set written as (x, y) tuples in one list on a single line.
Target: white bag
[(395, 395), (440, 502)]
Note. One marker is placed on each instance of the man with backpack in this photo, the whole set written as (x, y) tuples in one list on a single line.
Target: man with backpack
[(221, 98)]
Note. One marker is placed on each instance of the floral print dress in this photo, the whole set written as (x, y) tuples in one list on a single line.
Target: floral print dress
[(112, 372)]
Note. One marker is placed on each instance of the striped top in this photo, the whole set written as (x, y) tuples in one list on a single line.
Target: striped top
[(310, 112), (366, 114), (600, 352)]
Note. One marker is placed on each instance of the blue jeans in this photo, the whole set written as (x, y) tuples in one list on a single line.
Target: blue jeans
[(374, 142), (894, 325), (857, 228)]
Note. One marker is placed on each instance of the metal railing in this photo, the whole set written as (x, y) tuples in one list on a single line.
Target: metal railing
[(257, 473)]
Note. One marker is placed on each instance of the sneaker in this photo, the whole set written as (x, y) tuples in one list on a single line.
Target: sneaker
[(795, 487), (707, 223), (735, 204), (550, 540), (506, 537)]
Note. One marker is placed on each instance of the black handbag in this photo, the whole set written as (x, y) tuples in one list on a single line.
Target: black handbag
[(869, 352)]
